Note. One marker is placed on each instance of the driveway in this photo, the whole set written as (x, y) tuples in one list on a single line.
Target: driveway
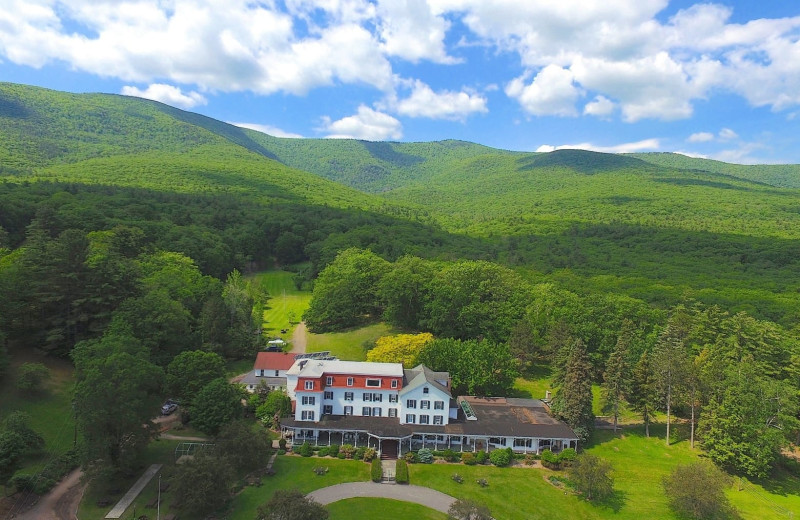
[(417, 494)]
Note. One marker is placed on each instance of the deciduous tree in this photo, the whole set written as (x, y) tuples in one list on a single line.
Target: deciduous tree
[(217, 404), (401, 348), (190, 371), (464, 509), (291, 505), (592, 477), (697, 491)]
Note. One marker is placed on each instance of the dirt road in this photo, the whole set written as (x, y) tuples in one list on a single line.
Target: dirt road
[(60, 503), (299, 339)]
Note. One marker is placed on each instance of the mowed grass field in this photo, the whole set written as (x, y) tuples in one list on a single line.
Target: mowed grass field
[(286, 305), (351, 345)]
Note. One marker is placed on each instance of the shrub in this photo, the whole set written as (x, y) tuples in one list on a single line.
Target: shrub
[(450, 455), (282, 443), (369, 454), (457, 478), (281, 452), (567, 457), (550, 460), (481, 457), (468, 459), (305, 450), (31, 377), (425, 456), (500, 458), (323, 452), (530, 458), (348, 450), (401, 471), (376, 471), (334, 450), (359, 453), (411, 457), (341, 456)]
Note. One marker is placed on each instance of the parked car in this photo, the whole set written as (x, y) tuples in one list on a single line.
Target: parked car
[(169, 407)]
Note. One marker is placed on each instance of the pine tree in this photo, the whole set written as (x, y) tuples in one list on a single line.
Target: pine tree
[(573, 400), (617, 376), (670, 362), (643, 391)]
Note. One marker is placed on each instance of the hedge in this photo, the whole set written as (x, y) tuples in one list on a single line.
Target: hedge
[(376, 470), (401, 472)]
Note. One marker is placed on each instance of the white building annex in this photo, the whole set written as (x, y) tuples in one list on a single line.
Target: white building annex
[(395, 410)]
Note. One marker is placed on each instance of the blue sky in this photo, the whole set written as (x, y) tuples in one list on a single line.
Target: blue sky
[(717, 80)]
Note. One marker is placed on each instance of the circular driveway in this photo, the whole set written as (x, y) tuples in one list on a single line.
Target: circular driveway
[(417, 494)]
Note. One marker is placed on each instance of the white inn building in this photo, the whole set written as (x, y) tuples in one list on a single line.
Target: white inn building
[(393, 410)]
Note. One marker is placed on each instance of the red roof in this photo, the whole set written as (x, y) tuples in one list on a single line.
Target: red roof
[(274, 361)]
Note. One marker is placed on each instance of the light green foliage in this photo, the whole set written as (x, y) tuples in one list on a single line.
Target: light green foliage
[(591, 476), (276, 403), (468, 510), (217, 404), (190, 371), (500, 457), (401, 348), (697, 491), (476, 367), (346, 292)]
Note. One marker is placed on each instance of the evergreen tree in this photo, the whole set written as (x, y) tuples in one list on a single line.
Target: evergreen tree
[(670, 362), (617, 376), (573, 400), (643, 394)]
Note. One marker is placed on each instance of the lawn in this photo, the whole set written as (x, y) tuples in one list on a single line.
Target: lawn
[(286, 305), (50, 412), (381, 508), (294, 472), (351, 345)]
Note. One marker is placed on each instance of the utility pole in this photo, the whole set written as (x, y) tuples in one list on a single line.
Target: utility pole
[(158, 502)]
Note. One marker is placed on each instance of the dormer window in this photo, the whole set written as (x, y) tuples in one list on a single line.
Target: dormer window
[(394, 383), (425, 390), (309, 385), (329, 380), (374, 383)]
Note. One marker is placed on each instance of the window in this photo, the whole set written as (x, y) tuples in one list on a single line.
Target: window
[(377, 398), (424, 419), (276, 373), (375, 383), (349, 381), (425, 405), (411, 418), (425, 390), (309, 385), (348, 396), (307, 415), (348, 410), (262, 372), (367, 396), (393, 398), (392, 412), (366, 411), (411, 403), (309, 400), (376, 412), (523, 443), (329, 380), (394, 383), (438, 419), (328, 395), (328, 409), (438, 405)]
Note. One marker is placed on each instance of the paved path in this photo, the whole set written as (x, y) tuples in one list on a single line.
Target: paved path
[(299, 339), (133, 492), (419, 495), (187, 438)]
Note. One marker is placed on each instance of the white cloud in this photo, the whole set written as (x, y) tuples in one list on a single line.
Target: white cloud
[(600, 107), (366, 124), (167, 94), (267, 129), (551, 93), (638, 146), (424, 102), (411, 30), (701, 137), (727, 134)]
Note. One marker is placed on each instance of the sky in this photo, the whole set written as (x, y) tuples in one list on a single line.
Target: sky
[(716, 80)]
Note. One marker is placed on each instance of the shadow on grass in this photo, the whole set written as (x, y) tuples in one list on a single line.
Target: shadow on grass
[(784, 479), (615, 501)]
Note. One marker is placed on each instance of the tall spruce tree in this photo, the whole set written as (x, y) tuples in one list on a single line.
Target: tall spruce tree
[(573, 400), (617, 376), (643, 393), (670, 362)]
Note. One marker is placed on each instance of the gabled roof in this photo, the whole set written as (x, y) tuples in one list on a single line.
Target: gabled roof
[(420, 375), (273, 361)]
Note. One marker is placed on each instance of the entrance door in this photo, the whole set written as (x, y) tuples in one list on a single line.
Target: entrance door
[(388, 449)]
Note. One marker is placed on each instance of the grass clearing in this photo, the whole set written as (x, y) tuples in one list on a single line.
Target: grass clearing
[(381, 508), (351, 345), (293, 472), (50, 412), (286, 305)]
